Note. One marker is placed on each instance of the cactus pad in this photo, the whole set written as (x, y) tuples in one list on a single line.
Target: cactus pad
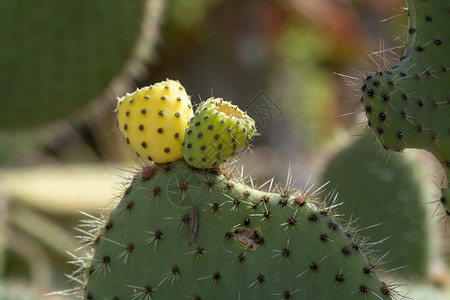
[(153, 120), (217, 131), (184, 233), (409, 105), (63, 54)]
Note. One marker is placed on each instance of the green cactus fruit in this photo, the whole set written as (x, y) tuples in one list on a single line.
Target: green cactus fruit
[(360, 169), (64, 54), (409, 105), (153, 120), (217, 131), (185, 233)]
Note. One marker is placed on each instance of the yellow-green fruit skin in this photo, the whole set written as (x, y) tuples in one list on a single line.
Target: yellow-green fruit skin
[(153, 120)]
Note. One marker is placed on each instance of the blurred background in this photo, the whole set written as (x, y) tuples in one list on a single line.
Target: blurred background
[(63, 63)]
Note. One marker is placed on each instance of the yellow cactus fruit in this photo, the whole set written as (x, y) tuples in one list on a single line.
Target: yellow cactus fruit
[(153, 120)]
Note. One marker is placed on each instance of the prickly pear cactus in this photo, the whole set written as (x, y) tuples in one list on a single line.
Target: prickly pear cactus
[(360, 169), (180, 232), (217, 131), (408, 106), (153, 120), (185, 232)]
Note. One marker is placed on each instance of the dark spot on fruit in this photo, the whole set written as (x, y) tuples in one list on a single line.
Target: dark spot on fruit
[(417, 76), (189, 131), (144, 145), (419, 48), (141, 127), (236, 202), (382, 116), (438, 42), (386, 98), (206, 116), (370, 92), (332, 225), (402, 74), (228, 235), (367, 270), (125, 127), (203, 148), (241, 257), (216, 137), (376, 83), (420, 103), (390, 82), (90, 296), (419, 128), (380, 130), (364, 87), (267, 214), (286, 295), (411, 30), (189, 146), (400, 135), (313, 266), (368, 109), (163, 97), (167, 149), (197, 123), (429, 18), (405, 97), (323, 237), (355, 246), (254, 205), (177, 135)]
